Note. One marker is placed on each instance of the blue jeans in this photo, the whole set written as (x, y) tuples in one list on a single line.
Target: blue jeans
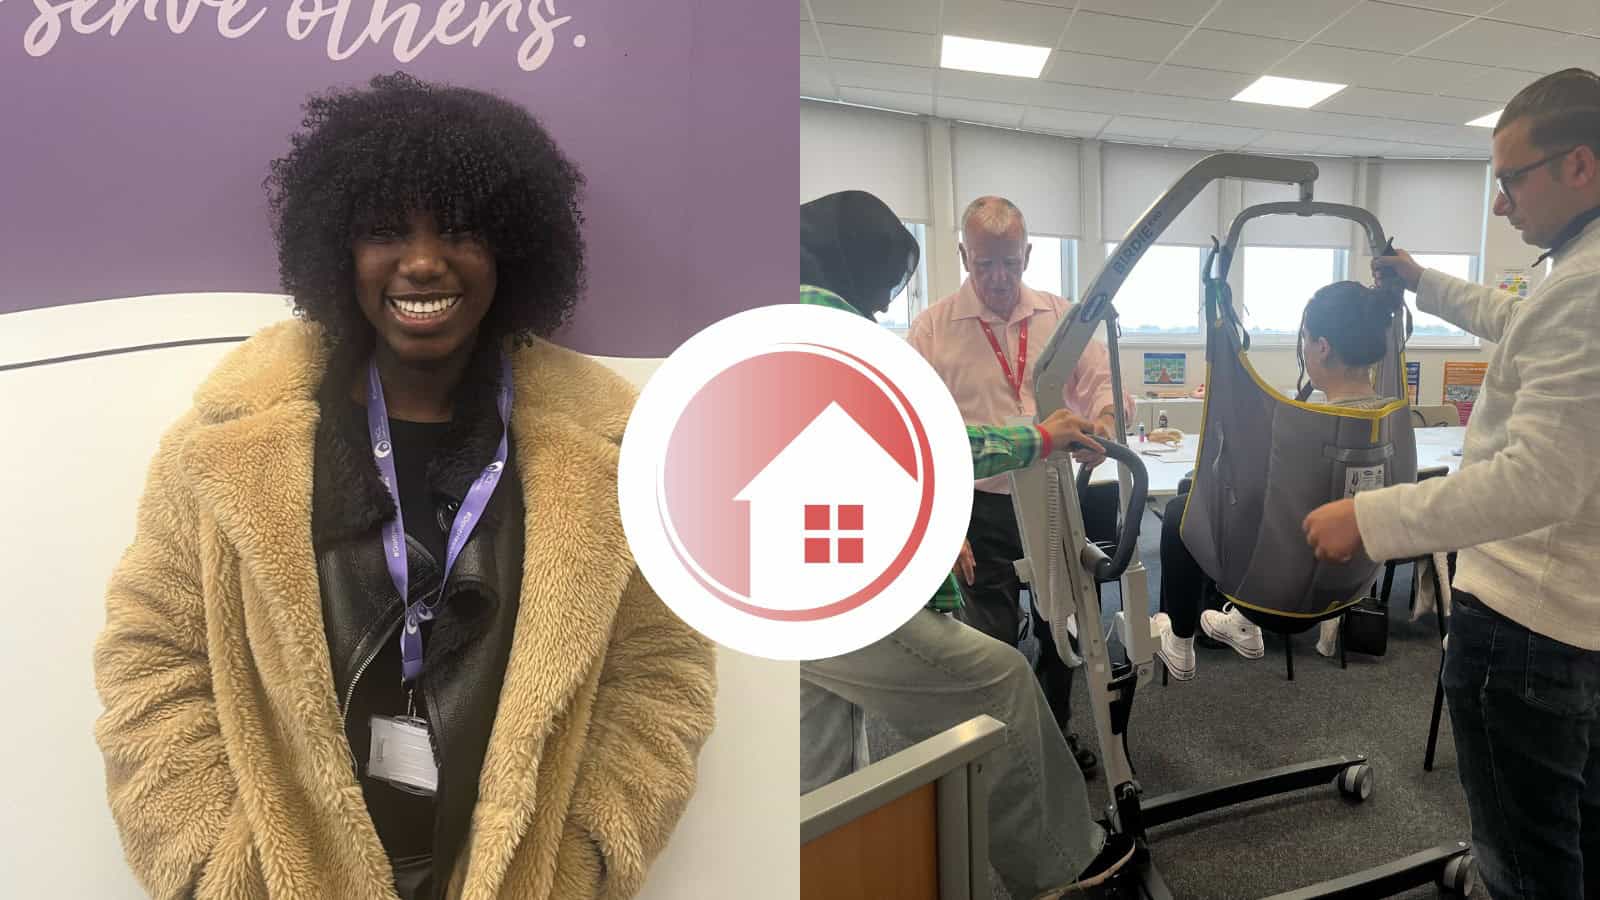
[(1523, 708)]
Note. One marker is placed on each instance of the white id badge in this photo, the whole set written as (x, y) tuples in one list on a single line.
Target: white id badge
[(402, 754)]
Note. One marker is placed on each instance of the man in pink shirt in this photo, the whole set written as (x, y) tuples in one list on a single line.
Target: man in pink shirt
[(982, 341)]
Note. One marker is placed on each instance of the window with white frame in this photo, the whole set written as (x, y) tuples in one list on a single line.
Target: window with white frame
[(914, 299), (1431, 329), (1052, 265), (1278, 281), (1161, 297)]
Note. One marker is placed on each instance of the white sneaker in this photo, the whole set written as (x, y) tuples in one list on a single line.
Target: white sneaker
[(1232, 628), (1328, 638), (1176, 652)]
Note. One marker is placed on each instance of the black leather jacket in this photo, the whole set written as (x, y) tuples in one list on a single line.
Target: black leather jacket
[(466, 647)]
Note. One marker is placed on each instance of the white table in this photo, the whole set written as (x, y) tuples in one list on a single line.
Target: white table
[(1435, 448)]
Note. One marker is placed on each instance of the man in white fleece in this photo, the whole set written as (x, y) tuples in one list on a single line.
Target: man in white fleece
[(1522, 672)]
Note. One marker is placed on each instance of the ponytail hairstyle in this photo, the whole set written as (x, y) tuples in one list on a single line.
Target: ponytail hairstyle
[(1355, 320)]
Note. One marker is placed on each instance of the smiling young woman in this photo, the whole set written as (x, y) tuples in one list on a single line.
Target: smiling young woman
[(379, 631)]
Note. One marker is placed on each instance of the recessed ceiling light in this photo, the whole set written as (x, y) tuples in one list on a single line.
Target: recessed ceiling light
[(1488, 121), (1275, 91), (993, 57)]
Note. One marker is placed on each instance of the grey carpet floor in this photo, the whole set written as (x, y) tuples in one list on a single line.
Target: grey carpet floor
[(1238, 717)]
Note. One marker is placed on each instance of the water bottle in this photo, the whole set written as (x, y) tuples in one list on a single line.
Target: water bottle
[(1141, 433), (1161, 419)]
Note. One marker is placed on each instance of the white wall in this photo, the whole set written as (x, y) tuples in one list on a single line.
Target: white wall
[(79, 437)]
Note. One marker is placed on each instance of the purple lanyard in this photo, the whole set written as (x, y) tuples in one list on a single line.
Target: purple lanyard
[(394, 532)]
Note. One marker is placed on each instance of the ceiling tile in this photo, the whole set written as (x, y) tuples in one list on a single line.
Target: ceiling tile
[(921, 104), (877, 76), (1183, 81), (1222, 137), (1356, 147), (900, 15), (808, 40), (1496, 85), (1080, 98), (1574, 52), (1426, 151), (1164, 106), (1064, 121), (1226, 51), (1183, 12), (1428, 76), (1139, 127), (1392, 29), (1004, 114), (1254, 115), (1484, 108), (1450, 111), (1120, 36), (997, 88), (1354, 126), (1295, 21), (1003, 20), (902, 48), (1464, 7), (1336, 64), (1114, 102), (1290, 142), (1398, 105), (1370, 102), (815, 80), (1494, 43), (1098, 71), (1439, 133), (1572, 16)]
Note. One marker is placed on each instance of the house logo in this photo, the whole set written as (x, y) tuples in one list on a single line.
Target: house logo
[(795, 482), (808, 534)]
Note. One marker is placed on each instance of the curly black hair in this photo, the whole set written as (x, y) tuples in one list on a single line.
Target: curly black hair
[(471, 159)]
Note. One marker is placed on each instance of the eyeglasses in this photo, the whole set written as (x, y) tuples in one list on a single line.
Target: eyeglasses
[(1506, 179)]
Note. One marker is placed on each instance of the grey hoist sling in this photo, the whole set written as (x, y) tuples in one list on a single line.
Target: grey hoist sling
[(1265, 461)]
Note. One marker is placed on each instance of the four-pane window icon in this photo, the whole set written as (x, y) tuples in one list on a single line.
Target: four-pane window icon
[(834, 534)]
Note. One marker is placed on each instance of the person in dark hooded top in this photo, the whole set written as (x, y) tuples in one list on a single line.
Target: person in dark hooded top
[(934, 673)]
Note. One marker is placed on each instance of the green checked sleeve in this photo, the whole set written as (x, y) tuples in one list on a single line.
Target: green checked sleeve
[(996, 450)]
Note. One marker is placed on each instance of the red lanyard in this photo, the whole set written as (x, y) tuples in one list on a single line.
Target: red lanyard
[(1013, 381)]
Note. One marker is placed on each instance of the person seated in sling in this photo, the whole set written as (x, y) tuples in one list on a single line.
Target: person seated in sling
[(1342, 337)]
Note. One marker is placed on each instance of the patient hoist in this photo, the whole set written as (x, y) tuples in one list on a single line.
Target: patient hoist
[(1064, 567)]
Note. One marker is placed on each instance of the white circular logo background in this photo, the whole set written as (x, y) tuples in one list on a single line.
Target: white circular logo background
[(885, 455)]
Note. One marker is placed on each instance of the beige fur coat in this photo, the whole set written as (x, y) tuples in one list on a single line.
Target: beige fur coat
[(226, 763)]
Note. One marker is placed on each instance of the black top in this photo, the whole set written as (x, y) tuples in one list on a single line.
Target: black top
[(404, 820), (415, 444)]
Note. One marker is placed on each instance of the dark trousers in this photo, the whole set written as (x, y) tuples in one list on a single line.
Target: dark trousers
[(1183, 585), (1523, 708), (992, 603)]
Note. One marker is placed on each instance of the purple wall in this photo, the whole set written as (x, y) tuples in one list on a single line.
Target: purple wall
[(132, 163)]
